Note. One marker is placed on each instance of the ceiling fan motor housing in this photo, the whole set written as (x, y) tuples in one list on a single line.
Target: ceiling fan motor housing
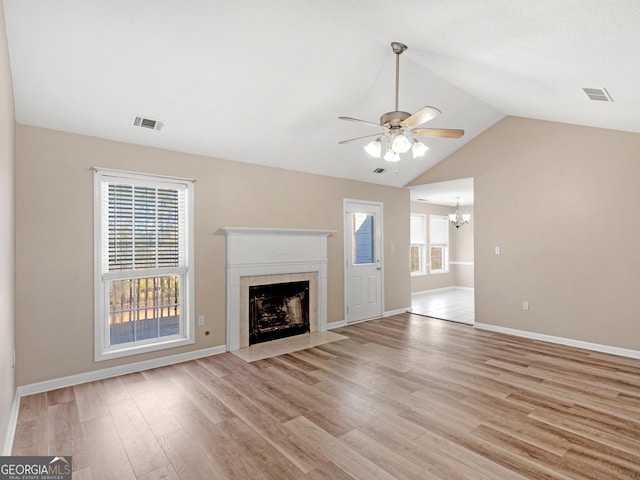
[(393, 119)]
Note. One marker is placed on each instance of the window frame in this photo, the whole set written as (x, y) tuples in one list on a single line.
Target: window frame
[(422, 247), (102, 279), (444, 246)]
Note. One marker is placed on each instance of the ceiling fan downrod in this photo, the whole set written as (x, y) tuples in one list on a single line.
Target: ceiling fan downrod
[(398, 48)]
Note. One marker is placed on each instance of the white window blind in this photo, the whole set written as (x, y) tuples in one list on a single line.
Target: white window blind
[(438, 230), (438, 244), (145, 228), (418, 238), (418, 229)]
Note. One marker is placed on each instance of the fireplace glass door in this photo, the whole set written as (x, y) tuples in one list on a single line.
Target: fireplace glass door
[(278, 310)]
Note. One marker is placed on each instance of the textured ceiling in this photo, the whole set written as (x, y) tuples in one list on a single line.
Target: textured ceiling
[(264, 82)]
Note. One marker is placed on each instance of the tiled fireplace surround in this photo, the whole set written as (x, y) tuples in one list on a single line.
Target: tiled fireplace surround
[(260, 256)]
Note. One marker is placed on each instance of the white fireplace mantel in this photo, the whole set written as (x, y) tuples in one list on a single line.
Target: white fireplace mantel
[(273, 251), (279, 231)]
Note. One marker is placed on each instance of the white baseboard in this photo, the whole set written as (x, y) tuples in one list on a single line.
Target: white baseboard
[(623, 352), (443, 289), (396, 312), (343, 323), (338, 324), (101, 374), (11, 427)]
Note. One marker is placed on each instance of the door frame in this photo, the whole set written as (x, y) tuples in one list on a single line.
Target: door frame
[(346, 243)]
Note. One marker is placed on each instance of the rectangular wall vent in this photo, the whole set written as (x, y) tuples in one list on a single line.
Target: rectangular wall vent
[(599, 94), (379, 170), (149, 123)]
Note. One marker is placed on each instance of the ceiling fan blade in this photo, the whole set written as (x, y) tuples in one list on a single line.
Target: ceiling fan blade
[(437, 132), (359, 138), (421, 116), (351, 119)]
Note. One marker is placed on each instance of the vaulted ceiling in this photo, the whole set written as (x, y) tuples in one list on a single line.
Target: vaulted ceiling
[(265, 82)]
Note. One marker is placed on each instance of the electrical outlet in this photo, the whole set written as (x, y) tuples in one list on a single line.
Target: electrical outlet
[(525, 305), (12, 362), (200, 320), (497, 250)]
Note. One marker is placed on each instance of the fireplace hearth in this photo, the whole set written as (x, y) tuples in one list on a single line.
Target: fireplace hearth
[(278, 310)]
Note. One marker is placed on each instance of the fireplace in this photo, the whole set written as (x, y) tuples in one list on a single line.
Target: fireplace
[(266, 256), (278, 310)]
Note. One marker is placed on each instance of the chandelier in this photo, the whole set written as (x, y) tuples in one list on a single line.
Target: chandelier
[(459, 219)]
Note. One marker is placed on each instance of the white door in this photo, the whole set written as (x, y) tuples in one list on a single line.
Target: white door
[(363, 254)]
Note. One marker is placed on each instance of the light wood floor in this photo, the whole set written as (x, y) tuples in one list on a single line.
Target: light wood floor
[(403, 397)]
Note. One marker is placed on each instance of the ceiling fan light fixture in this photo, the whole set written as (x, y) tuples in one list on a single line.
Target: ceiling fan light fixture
[(401, 143), (419, 149), (391, 156), (374, 148)]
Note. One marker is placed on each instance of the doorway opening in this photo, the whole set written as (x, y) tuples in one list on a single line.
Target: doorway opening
[(442, 254)]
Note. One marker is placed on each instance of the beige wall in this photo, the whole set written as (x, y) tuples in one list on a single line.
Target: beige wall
[(7, 235), (561, 202), (55, 238), (460, 250)]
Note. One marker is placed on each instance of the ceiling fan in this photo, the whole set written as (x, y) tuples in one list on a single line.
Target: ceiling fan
[(398, 128)]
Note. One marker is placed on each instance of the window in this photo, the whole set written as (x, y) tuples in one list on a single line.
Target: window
[(143, 263), (418, 246), (438, 244), (363, 239)]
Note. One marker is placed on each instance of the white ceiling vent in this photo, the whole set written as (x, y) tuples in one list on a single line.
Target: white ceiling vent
[(600, 94), (379, 170), (145, 122)]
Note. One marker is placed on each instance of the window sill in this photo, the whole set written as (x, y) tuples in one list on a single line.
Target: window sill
[(143, 348)]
